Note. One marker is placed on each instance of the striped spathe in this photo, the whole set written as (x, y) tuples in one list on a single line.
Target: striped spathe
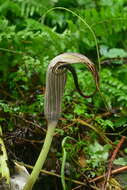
[(56, 80)]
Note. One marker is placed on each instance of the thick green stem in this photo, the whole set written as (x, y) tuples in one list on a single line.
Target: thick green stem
[(42, 157)]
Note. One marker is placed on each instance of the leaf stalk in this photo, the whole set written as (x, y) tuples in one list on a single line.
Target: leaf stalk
[(42, 156)]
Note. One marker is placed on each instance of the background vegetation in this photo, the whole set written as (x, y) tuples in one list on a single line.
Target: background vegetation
[(28, 41)]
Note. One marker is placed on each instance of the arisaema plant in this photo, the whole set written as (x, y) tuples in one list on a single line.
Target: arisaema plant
[(55, 84)]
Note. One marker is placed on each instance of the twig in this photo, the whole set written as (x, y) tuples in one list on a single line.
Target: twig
[(111, 162), (13, 51), (20, 91), (104, 138), (116, 171), (30, 122), (6, 94), (108, 61), (69, 125), (105, 114), (76, 187), (30, 141), (53, 174)]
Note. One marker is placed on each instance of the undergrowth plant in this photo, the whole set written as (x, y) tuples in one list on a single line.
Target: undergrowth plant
[(55, 83), (28, 41)]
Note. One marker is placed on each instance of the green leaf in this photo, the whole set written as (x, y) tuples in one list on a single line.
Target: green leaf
[(80, 109), (116, 52), (121, 161)]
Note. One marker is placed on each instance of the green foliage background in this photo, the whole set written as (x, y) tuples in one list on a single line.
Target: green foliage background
[(28, 41)]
